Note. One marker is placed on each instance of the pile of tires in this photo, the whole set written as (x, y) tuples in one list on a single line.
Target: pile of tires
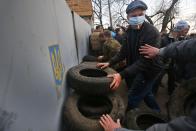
[(91, 98), (183, 100)]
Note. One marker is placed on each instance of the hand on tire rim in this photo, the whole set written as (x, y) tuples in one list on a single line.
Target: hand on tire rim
[(116, 81), (103, 65), (108, 124)]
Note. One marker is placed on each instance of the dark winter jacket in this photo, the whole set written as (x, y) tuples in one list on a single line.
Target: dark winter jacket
[(166, 40), (184, 51), (119, 38), (148, 34)]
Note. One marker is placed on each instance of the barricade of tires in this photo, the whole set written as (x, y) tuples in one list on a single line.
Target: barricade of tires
[(91, 98)]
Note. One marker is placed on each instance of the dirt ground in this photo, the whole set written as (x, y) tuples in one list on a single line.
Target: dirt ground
[(162, 95)]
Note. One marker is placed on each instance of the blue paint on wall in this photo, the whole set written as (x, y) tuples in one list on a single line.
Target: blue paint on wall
[(57, 65)]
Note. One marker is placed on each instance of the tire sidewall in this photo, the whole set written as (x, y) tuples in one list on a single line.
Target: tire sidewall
[(133, 115), (77, 122), (89, 85)]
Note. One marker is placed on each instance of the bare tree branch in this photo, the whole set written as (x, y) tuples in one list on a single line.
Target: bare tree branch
[(149, 19), (168, 14)]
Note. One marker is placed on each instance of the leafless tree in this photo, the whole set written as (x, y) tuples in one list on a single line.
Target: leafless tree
[(169, 15), (167, 10), (101, 6), (119, 9), (115, 11), (98, 10)]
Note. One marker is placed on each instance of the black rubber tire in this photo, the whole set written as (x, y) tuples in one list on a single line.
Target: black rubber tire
[(183, 99), (141, 120), (76, 121), (89, 58), (122, 91), (90, 108), (86, 78)]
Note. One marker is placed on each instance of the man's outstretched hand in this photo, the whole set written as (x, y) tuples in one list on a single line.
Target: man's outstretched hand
[(108, 124), (148, 51), (116, 81)]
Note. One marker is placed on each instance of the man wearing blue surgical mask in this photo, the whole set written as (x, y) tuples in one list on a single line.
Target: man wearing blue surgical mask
[(140, 73), (136, 18)]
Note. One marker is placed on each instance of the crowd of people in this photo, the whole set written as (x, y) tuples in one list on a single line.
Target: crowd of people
[(142, 56)]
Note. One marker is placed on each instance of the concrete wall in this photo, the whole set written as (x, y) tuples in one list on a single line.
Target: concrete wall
[(81, 35), (37, 47)]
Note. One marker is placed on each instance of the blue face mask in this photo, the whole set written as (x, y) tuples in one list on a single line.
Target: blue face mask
[(136, 20)]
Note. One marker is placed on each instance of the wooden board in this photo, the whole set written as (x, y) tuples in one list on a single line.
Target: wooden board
[(81, 7)]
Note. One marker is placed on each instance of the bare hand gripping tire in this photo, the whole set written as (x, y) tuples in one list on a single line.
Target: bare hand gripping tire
[(143, 119), (77, 120), (183, 99), (86, 78)]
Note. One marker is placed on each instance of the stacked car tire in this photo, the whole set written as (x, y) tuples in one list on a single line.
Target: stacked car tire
[(91, 98), (142, 119)]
